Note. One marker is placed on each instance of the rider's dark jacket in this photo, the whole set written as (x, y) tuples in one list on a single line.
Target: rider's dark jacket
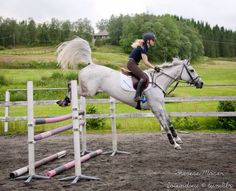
[(136, 53)]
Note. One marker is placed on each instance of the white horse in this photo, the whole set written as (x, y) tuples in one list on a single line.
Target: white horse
[(95, 77)]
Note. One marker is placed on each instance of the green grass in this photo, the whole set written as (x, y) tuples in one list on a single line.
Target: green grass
[(212, 71), (50, 50)]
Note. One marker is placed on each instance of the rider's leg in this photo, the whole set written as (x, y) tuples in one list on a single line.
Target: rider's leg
[(139, 90), (133, 67)]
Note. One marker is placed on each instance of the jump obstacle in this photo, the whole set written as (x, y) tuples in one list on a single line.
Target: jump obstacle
[(39, 163), (76, 125), (71, 164)]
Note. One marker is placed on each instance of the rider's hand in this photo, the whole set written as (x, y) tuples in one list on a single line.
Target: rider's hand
[(157, 68)]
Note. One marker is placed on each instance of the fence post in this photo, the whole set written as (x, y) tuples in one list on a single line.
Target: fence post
[(113, 123), (113, 129), (7, 105)]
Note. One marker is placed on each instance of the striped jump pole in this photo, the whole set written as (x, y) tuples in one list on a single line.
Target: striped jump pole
[(76, 135), (39, 163), (52, 119), (52, 132), (71, 164), (58, 129)]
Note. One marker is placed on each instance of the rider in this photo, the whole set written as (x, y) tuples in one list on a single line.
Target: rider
[(139, 52)]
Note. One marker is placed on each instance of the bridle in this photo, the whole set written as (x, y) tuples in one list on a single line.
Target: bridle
[(177, 80)]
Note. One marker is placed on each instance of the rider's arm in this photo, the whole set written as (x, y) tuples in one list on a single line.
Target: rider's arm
[(146, 62)]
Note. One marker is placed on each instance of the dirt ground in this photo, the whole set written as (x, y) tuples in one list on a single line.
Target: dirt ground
[(207, 161)]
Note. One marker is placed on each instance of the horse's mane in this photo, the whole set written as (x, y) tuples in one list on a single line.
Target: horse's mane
[(176, 61)]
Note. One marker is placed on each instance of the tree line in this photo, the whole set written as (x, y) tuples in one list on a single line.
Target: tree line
[(29, 33), (176, 36)]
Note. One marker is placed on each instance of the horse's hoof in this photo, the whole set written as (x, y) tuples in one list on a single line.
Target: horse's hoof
[(178, 140), (177, 147)]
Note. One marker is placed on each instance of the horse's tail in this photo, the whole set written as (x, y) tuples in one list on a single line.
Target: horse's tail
[(71, 53)]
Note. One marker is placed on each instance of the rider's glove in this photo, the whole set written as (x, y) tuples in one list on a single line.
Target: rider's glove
[(157, 68)]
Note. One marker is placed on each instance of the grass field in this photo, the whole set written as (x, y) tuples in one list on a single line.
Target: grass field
[(212, 71)]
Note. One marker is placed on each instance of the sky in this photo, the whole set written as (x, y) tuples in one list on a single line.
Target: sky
[(220, 12)]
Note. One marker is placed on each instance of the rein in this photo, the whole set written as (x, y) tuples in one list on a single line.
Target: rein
[(177, 80)]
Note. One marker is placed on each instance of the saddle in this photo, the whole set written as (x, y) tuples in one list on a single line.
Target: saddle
[(135, 80)]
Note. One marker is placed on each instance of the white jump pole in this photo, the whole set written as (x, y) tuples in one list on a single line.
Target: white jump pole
[(76, 135), (31, 142), (30, 118)]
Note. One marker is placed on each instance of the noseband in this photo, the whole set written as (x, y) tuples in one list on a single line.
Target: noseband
[(193, 80)]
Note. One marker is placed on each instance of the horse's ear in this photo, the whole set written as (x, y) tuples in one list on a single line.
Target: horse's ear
[(188, 61)]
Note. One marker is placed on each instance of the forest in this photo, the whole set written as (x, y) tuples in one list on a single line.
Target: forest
[(176, 36)]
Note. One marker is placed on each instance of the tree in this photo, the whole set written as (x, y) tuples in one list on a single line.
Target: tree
[(129, 33), (170, 37), (31, 32), (83, 28), (115, 28), (54, 31), (43, 35), (190, 42), (102, 24), (65, 30)]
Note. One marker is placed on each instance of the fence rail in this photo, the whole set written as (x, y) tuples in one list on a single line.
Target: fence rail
[(167, 100), (7, 103), (133, 115)]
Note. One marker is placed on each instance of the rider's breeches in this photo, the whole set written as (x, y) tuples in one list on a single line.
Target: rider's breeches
[(133, 67)]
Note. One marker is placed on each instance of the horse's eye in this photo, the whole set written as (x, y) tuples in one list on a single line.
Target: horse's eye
[(191, 70)]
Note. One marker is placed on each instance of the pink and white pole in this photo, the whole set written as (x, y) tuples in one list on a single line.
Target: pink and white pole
[(71, 164)]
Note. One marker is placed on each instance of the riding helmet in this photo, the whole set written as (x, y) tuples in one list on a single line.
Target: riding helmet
[(149, 36)]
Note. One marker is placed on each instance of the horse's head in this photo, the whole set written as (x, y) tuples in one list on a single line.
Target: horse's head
[(190, 75)]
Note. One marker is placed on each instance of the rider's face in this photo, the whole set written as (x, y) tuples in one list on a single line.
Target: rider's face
[(151, 43)]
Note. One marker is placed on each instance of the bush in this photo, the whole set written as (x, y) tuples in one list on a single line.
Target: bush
[(94, 124), (57, 75), (101, 42), (228, 123), (3, 81), (71, 76), (2, 47), (186, 123)]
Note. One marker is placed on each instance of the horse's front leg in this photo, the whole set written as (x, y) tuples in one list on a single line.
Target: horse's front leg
[(173, 131), (163, 118)]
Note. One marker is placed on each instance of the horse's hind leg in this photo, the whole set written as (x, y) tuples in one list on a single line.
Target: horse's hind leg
[(87, 88)]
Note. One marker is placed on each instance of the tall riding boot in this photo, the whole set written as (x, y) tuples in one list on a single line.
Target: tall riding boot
[(139, 90)]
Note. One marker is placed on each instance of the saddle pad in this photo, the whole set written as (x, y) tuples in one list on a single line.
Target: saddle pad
[(127, 84)]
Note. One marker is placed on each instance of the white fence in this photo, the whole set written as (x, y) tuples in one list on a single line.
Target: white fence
[(8, 103)]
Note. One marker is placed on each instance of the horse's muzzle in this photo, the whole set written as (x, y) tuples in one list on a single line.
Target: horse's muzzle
[(199, 84)]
